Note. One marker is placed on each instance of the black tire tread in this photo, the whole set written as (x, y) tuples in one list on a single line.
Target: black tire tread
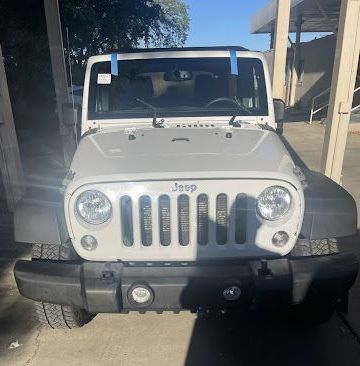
[(54, 315), (308, 248)]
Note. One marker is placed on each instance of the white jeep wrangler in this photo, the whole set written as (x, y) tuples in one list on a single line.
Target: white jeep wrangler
[(182, 194)]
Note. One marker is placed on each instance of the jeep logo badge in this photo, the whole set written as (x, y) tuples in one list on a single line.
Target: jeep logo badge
[(183, 188)]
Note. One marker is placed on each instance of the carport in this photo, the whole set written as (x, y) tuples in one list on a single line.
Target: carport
[(12, 185), (282, 17)]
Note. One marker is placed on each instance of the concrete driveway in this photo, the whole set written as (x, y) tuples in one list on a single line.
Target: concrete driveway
[(183, 339)]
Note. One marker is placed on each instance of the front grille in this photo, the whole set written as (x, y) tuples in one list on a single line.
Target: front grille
[(221, 219), (126, 213), (164, 220), (240, 218), (202, 219), (185, 219), (145, 220)]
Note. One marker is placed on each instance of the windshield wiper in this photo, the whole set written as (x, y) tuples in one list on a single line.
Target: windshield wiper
[(237, 114), (155, 123)]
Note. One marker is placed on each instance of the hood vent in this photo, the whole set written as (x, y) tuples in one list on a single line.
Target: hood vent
[(196, 125)]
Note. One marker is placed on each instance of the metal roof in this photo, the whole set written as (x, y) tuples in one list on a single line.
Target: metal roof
[(318, 16)]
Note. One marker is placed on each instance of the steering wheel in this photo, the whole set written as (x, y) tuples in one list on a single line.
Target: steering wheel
[(227, 100)]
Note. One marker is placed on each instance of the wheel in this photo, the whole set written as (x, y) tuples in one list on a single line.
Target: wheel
[(308, 248), (314, 311), (53, 315)]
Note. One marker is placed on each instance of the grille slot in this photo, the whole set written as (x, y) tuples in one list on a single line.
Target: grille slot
[(202, 219), (165, 220), (184, 219), (240, 218), (222, 219), (146, 220), (126, 213)]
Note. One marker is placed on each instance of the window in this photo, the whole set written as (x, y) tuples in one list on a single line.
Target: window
[(178, 87)]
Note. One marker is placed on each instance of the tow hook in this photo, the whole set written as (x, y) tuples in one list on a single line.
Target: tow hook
[(264, 271), (107, 275)]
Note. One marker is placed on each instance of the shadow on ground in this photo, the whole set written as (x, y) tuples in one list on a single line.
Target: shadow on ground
[(254, 341)]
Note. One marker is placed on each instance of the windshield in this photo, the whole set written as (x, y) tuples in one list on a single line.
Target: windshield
[(178, 87)]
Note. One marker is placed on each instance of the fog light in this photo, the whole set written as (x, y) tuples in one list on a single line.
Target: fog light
[(280, 239), (141, 295), (232, 293), (89, 243)]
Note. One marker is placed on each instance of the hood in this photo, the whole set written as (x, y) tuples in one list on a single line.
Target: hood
[(181, 153)]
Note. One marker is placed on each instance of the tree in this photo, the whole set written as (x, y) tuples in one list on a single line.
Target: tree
[(173, 25), (97, 26)]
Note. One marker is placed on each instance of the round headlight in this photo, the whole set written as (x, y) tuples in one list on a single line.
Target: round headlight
[(93, 207), (273, 203)]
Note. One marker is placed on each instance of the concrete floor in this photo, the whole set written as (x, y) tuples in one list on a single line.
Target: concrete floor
[(183, 339)]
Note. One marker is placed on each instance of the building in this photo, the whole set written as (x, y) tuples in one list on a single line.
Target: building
[(301, 73)]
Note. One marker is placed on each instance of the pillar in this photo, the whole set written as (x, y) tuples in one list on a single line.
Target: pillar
[(281, 35), (59, 74), (342, 89), (295, 62), (11, 171)]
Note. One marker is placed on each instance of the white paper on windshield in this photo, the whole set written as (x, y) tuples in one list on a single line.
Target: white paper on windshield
[(104, 79)]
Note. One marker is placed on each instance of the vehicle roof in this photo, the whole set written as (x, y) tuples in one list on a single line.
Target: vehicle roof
[(177, 49), (148, 53)]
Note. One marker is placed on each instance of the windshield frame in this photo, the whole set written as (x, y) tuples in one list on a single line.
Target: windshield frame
[(145, 115)]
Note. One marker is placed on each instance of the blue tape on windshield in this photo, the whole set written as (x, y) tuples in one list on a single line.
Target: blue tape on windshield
[(233, 63), (114, 65)]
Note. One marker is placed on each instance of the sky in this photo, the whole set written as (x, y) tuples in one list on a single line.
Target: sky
[(227, 23)]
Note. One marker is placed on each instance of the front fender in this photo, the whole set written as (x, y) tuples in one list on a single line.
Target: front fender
[(330, 211), (39, 222)]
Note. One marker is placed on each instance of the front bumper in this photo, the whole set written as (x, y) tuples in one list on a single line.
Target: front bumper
[(102, 287)]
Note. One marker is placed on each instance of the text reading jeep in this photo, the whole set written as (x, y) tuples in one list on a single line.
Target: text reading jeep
[(182, 194)]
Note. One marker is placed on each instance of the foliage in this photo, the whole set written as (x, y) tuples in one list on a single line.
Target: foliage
[(97, 26)]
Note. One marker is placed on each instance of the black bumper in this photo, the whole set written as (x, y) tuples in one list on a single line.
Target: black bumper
[(104, 287)]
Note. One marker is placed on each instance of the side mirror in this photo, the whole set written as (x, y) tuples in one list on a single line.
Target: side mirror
[(279, 110), (71, 114)]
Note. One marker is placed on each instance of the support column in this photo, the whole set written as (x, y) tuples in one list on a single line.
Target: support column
[(295, 62), (280, 47), (11, 171), (342, 89), (289, 69), (59, 74), (272, 38)]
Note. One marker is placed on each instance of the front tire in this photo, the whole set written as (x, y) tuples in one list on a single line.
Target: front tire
[(318, 247), (314, 311), (54, 315)]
